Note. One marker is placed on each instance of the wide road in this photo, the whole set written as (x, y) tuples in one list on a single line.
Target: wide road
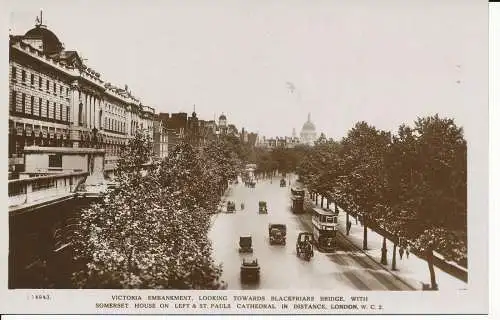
[(346, 269)]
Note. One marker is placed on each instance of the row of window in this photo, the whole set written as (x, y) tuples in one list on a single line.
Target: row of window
[(48, 86), (29, 106), (114, 125), (53, 87), (115, 109), (324, 218), (17, 144)]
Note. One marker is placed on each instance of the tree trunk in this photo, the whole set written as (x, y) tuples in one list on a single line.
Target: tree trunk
[(430, 263), (322, 202), (383, 258), (327, 204), (394, 257), (316, 198), (365, 236), (346, 222), (365, 232)]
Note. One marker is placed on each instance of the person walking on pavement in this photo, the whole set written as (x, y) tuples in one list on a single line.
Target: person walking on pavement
[(401, 252), (408, 252), (349, 224)]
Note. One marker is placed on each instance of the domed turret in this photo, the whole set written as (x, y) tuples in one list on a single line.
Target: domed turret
[(50, 44), (194, 111), (222, 120)]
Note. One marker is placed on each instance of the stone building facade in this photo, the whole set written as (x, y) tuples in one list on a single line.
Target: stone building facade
[(56, 101)]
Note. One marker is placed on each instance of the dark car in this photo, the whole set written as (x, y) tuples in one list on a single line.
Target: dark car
[(277, 233), (304, 246), (246, 244), (250, 271), (262, 207)]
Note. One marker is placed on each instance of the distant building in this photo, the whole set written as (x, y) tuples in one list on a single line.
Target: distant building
[(176, 128), (160, 138), (308, 133), (181, 128), (252, 139), (222, 128), (277, 142), (232, 130)]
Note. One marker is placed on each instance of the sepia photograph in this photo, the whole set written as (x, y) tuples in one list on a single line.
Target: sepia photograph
[(292, 155)]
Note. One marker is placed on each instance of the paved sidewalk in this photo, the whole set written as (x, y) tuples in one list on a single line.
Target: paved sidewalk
[(412, 269), (223, 201)]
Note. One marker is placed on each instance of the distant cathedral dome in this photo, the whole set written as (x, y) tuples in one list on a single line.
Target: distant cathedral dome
[(308, 133), (308, 125)]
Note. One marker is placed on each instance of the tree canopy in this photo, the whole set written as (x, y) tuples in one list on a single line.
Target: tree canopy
[(152, 232)]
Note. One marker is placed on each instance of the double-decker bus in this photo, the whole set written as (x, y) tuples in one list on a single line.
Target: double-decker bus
[(325, 225), (297, 197)]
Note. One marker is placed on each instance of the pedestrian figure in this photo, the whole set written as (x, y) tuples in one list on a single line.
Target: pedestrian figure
[(356, 218), (408, 252), (349, 224), (401, 252)]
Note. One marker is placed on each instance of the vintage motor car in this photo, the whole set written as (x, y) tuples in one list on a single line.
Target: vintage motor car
[(246, 244), (282, 183), (262, 207), (250, 271), (231, 207), (277, 233), (304, 247)]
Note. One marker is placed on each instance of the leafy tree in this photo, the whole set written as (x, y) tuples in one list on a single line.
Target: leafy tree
[(429, 161), (152, 231), (363, 152)]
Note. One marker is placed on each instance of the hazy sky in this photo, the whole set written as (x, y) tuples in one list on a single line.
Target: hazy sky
[(385, 62)]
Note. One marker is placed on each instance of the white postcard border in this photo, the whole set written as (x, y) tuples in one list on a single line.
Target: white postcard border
[(474, 300)]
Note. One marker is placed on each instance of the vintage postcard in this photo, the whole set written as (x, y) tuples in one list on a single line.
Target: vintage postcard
[(245, 157)]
